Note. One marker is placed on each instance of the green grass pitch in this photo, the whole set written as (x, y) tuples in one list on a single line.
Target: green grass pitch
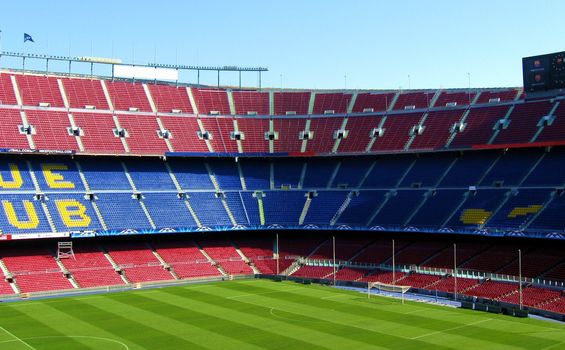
[(260, 314)]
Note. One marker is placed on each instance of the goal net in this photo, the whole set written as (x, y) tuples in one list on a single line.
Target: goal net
[(388, 289)]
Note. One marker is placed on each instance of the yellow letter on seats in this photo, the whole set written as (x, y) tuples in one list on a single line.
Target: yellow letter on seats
[(32, 219), (16, 181), (73, 213), (53, 179)]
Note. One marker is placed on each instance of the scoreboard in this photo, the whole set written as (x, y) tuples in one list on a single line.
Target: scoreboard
[(544, 73)]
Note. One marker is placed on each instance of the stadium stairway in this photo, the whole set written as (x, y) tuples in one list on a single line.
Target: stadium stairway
[(552, 197), (316, 248), (66, 272), (551, 268), (501, 124), (304, 212), (8, 275), (292, 268), (541, 124), (89, 191), (212, 261), (245, 258), (149, 98), (341, 209), (259, 196), (162, 129), (135, 190), (222, 196), (115, 265), (226, 256), (165, 265), (137, 262)]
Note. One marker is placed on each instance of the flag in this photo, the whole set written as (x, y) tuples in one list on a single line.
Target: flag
[(28, 37)]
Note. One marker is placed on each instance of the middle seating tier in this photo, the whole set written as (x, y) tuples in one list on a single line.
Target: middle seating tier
[(474, 190)]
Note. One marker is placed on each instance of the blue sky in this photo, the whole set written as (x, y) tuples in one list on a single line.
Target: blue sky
[(305, 44)]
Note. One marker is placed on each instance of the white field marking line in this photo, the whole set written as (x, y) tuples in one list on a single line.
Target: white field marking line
[(68, 336), (551, 346), (450, 329), (336, 296), (414, 311), (16, 338), (270, 292)]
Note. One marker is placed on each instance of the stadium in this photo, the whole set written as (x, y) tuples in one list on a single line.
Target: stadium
[(143, 211)]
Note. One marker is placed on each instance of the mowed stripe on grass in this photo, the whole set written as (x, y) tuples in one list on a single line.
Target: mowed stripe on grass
[(259, 314)]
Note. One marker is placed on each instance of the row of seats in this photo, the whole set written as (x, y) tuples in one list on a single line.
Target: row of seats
[(104, 133), (541, 298), (518, 190), (527, 168), (23, 213), (96, 129), (36, 269), (33, 268), (35, 90)]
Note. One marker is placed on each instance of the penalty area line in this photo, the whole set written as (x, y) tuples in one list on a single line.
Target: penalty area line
[(16, 338), (450, 329)]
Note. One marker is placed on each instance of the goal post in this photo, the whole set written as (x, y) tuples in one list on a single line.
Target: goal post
[(390, 288)]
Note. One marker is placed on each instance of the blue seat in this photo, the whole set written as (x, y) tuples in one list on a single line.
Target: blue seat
[(209, 209), (477, 209), (191, 174), (237, 208), (174, 214), (257, 174), (437, 208), (427, 170), (120, 211), (68, 216), (251, 207), (104, 174), (511, 168), (25, 222), (318, 173), (351, 172), (398, 208), (361, 207), (468, 169), (148, 174), (57, 176), (551, 218), (283, 207), (519, 209), (387, 172), (287, 172), (550, 171), (11, 180), (226, 174), (324, 207)]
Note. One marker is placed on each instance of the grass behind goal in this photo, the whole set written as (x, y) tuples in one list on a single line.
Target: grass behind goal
[(260, 314)]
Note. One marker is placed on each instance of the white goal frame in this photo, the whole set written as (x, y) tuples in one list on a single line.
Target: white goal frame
[(391, 288)]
